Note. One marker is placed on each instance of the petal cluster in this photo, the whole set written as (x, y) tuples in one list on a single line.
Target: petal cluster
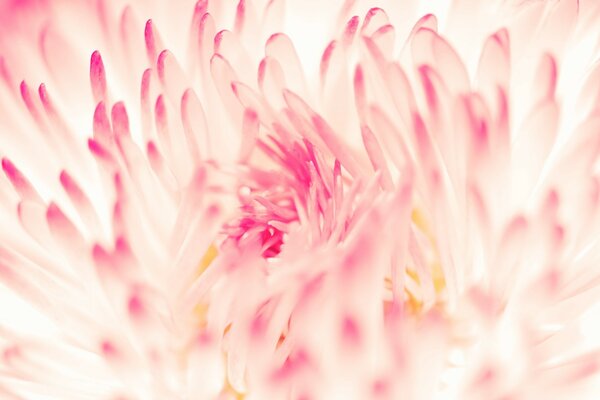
[(295, 200)]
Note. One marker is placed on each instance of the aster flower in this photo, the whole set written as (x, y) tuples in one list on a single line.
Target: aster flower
[(291, 200)]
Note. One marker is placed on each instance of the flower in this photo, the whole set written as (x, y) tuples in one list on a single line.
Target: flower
[(296, 200)]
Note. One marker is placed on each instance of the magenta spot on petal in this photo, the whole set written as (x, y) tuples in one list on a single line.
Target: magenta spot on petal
[(258, 326), (120, 120), (218, 39), (588, 368), (5, 73), (427, 73), (371, 13), (145, 91), (553, 280), (65, 179), (486, 376), (98, 251), (327, 57), (273, 38), (98, 150), (350, 331), (234, 88), (201, 7), (153, 154), (43, 93), (118, 181), (97, 76), (122, 245), (240, 16), (149, 37), (213, 210), (205, 338), (19, 182), (292, 365), (380, 388), (352, 25), (28, 100), (108, 349), (10, 353), (135, 306), (101, 125), (54, 212), (8, 167), (161, 111), (160, 64)]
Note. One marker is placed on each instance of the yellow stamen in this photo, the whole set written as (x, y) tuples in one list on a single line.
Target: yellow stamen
[(439, 281), (201, 309), (413, 275), (209, 256), (420, 222), (228, 389), (413, 304)]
